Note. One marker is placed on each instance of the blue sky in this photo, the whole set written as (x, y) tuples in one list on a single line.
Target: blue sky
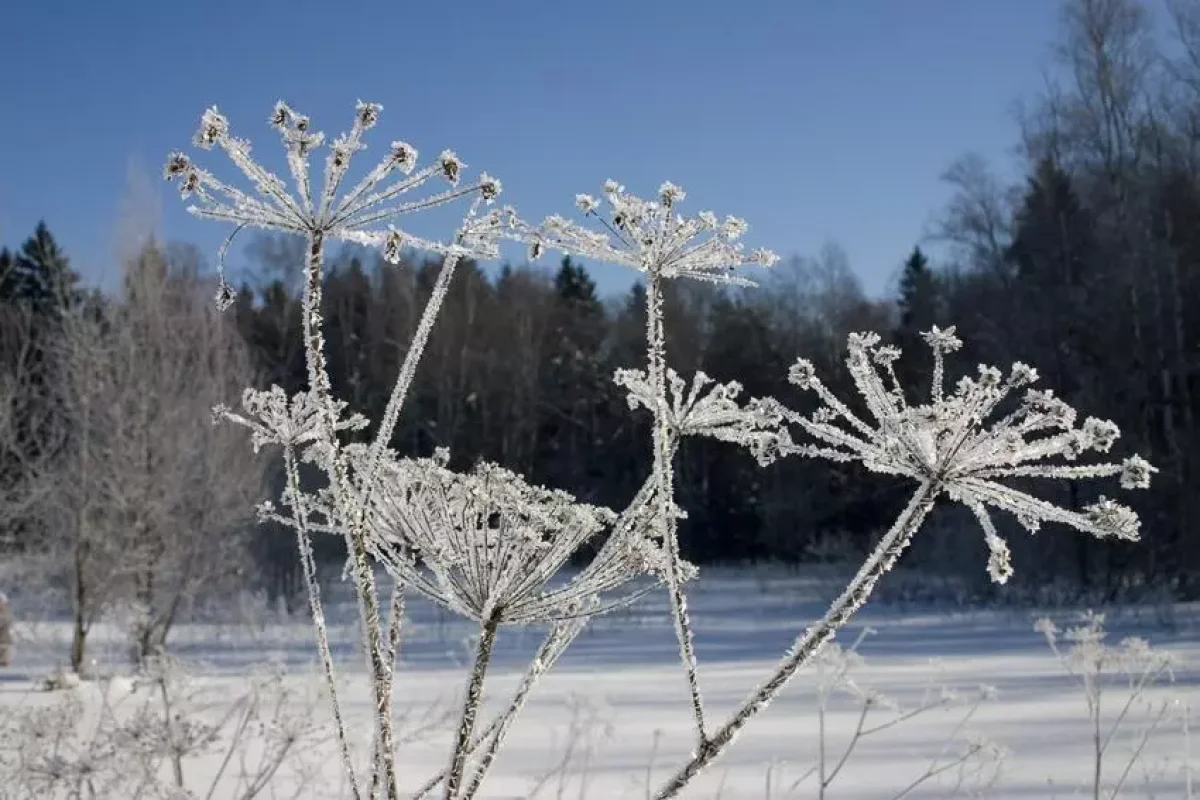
[(813, 120)]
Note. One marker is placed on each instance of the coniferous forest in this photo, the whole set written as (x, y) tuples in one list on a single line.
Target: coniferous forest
[(1088, 269)]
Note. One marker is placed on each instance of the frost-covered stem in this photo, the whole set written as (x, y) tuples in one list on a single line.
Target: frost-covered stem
[(308, 568), (809, 644), (466, 722), (395, 625), (822, 778), (1187, 748), (173, 743), (554, 645), (408, 369), (1097, 747), (1136, 755), (364, 578), (665, 516)]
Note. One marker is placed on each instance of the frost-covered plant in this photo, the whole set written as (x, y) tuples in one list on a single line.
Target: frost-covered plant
[(357, 216), (489, 546), (401, 513), (972, 755), (1129, 669), (949, 446), (651, 237), (146, 737)]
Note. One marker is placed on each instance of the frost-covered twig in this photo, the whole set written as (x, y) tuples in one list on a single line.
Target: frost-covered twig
[(313, 589), (72, 750), (471, 700), (1093, 663), (834, 668)]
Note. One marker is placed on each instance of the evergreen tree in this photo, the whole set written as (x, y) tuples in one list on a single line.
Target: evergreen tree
[(39, 276), (917, 306), (573, 381), (918, 294), (1052, 255)]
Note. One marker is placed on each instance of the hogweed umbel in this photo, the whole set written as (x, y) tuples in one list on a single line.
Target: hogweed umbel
[(487, 545), (359, 216), (947, 446), (651, 237), (352, 217)]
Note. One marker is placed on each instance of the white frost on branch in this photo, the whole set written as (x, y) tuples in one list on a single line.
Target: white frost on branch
[(949, 441)]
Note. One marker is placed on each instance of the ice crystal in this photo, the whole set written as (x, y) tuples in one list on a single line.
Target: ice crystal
[(949, 443)]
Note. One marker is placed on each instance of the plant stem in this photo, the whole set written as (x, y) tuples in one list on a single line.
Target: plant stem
[(364, 578), (466, 723), (408, 370), (885, 555), (665, 516), (554, 645), (395, 628), (308, 568)]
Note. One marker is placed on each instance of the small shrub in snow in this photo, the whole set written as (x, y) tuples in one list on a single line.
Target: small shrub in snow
[(1128, 670)]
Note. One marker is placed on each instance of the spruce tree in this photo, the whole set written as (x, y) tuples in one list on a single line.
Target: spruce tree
[(39, 276)]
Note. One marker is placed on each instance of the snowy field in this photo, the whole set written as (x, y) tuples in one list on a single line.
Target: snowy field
[(612, 720)]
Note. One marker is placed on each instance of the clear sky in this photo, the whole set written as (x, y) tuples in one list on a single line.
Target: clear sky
[(813, 119)]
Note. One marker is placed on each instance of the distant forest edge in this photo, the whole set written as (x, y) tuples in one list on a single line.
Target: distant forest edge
[(1088, 270)]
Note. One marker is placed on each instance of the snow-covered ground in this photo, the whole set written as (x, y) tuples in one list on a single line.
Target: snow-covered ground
[(612, 720)]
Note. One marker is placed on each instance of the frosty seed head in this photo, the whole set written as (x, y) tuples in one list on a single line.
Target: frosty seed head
[(361, 215), (404, 156), (670, 194), (648, 236), (367, 114), (177, 164), (1135, 473), (225, 296), (450, 166), (950, 444), (393, 246), (489, 187), (485, 543), (586, 203), (281, 116), (213, 127)]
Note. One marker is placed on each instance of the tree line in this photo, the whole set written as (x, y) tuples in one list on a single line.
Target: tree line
[(1088, 269)]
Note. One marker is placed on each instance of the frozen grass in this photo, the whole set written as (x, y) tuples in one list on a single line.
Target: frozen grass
[(613, 718)]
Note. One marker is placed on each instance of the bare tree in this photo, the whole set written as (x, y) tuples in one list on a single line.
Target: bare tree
[(150, 499), (184, 490)]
